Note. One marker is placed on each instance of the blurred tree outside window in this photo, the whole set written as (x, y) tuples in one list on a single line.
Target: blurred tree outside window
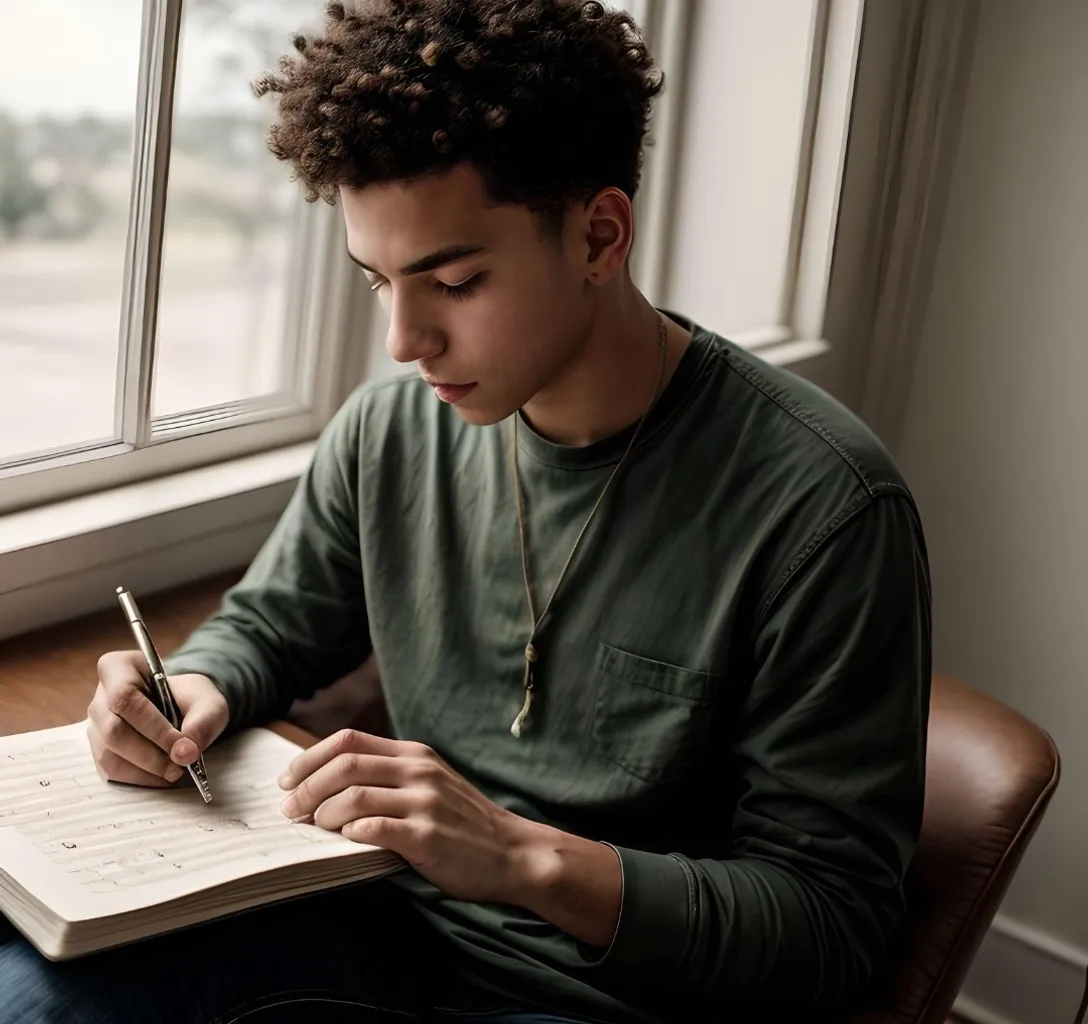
[(67, 122)]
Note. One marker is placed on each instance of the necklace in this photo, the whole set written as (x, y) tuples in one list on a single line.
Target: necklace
[(532, 657)]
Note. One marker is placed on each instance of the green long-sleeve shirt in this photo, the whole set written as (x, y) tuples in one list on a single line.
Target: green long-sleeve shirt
[(732, 687)]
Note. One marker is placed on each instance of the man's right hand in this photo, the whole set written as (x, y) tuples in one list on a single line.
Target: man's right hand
[(131, 740)]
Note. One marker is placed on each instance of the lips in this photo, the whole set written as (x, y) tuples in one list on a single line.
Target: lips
[(451, 393)]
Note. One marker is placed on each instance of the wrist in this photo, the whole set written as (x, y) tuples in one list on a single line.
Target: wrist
[(572, 882), (533, 861)]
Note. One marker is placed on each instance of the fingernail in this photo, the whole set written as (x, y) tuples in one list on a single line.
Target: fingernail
[(173, 773), (185, 750), (289, 808)]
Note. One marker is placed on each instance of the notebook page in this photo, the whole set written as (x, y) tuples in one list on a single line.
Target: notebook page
[(86, 848)]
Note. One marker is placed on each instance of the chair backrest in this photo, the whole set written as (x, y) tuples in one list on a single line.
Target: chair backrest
[(990, 774)]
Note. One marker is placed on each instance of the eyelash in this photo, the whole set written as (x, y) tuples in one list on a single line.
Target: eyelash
[(457, 292), (462, 291)]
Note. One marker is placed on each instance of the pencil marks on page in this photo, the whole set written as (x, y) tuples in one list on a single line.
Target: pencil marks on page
[(108, 836)]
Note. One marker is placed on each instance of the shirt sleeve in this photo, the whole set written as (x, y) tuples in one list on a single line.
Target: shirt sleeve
[(831, 752), (297, 620)]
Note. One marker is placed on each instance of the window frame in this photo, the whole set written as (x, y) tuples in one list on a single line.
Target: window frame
[(325, 303), (798, 336)]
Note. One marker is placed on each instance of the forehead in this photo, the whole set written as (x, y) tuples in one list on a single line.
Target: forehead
[(393, 224)]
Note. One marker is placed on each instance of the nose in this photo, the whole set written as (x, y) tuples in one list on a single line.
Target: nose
[(410, 336)]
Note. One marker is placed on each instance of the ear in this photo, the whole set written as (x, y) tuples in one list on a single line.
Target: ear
[(608, 232)]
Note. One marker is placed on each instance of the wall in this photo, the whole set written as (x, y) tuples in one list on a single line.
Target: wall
[(996, 448)]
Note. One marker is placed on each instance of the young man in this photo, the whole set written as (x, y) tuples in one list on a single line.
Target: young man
[(651, 617)]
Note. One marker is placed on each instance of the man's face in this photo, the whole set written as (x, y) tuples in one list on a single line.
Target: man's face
[(496, 323)]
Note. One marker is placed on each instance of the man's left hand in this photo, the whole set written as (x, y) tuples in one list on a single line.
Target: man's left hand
[(403, 797)]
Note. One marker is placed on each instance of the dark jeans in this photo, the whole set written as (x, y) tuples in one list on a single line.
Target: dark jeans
[(347, 956)]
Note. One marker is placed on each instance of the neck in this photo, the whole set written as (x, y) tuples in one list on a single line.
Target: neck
[(610, 383)]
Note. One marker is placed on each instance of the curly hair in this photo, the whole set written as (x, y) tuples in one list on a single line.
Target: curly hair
[(548, 99)]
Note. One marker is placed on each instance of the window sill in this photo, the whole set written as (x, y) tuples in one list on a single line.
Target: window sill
[(67, 559), (64, 560)]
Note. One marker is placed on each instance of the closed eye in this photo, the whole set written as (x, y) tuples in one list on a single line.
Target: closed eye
[(462, 290)]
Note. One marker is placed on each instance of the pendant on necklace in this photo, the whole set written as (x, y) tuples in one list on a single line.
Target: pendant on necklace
[(523, 715)]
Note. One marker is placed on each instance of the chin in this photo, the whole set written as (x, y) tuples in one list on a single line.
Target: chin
[(481, 416), (484, 410)]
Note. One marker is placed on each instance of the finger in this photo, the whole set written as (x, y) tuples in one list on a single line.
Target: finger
[(114, 768), (125, 696), (395, 834), (346, 741), (112, 733), (343, 772), (361, 802)]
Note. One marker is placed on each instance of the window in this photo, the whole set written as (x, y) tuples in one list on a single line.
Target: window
[(166, 297), (741, 189), (167, 300)]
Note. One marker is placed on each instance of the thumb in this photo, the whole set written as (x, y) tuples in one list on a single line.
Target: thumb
[(203, 721)]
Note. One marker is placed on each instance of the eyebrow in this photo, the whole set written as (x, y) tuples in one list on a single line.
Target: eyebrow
[(435, 260)]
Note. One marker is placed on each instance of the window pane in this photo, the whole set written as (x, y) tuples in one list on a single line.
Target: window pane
[(739, 156), (66, 122), (232, 214)]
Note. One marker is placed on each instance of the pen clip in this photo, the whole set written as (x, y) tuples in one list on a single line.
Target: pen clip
[(159, 689)]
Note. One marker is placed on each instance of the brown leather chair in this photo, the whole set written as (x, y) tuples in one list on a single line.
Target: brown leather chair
[(990, 774)]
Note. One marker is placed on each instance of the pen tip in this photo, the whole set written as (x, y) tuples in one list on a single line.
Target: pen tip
[(119, 590), (200, 777)]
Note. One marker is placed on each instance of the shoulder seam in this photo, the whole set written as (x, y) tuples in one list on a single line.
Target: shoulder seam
[(752, 375), (813, 544)]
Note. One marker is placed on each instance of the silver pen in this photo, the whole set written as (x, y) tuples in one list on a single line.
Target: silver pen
[(160, 693)]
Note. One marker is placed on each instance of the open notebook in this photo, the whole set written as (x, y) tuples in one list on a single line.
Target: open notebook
[(87, 864)]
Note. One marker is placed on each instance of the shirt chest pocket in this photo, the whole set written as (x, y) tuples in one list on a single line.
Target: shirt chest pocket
[(650, 718)]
